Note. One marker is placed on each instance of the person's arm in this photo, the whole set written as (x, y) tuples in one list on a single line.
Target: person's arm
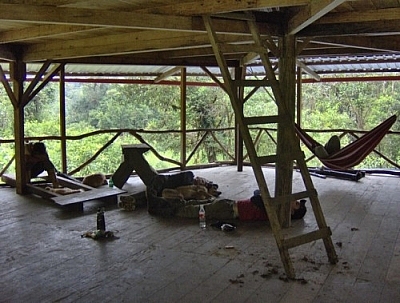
[(48, 167), (53, 178)]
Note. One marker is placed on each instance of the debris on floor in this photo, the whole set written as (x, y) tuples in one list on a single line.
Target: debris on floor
[(99, 234)]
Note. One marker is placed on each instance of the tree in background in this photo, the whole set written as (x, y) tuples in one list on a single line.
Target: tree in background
[(352, 105), (92, 106), (44, 106), (208, 108)]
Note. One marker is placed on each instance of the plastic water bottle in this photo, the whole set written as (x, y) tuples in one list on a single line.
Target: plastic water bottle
[(202, 217), (101, 222)]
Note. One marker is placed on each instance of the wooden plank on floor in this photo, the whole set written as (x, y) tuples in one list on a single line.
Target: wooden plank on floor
[(41, 191), (88, 195), (73, 184), (37, 190), (9, 180)]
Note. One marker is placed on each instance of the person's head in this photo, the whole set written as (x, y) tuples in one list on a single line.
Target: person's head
[(38, 148), (298, 209)]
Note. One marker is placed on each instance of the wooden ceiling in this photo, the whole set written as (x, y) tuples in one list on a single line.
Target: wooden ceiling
[(170, 32)]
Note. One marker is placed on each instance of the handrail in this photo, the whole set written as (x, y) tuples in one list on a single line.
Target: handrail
[(208, 133)]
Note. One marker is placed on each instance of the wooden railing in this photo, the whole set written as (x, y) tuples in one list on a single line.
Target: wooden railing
[(260, 134)]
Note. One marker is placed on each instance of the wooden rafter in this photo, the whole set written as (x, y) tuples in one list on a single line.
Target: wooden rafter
[(363, 16), (45, 15), (214, 78), (376, 28), (122, 44), (308, 70), (386, 43), (29, 95), (309, 14), (209, 7), (8, 88), (42, 31), (171, 71), (85, 17), (35, 81)]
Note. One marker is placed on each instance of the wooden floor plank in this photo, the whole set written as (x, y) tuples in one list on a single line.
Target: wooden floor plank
[(160, 260)]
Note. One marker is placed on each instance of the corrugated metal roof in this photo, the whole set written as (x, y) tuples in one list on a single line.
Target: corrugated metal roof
[(354, 64), (129, 70), (385, 63)]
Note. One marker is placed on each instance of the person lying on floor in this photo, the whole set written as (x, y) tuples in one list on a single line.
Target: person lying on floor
[(219, 209), (245, 210)]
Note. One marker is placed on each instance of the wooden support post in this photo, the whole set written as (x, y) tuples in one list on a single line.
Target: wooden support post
[(18, 75), (63, 128), (299, 86), (285, 140), (183, 117), (240, 74)]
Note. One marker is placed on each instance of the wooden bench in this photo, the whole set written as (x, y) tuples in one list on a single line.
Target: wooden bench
[(134, 160)]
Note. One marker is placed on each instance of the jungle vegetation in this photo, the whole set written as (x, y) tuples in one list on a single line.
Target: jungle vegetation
[(98, 106)]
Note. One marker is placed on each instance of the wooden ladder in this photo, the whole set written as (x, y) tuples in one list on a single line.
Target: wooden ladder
[(232, 88)]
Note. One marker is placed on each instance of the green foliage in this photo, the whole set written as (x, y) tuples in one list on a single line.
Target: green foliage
[(6, 115), (44, 106), (352, 105), (98, 106)]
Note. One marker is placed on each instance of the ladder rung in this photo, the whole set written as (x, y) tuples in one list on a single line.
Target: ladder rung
[(261, 160), (294, 196), (266, 159), (307, 238), (260, 120), (251, 83), (304, 194)]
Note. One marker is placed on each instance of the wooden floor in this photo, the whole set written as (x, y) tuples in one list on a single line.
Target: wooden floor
[(44, 258)]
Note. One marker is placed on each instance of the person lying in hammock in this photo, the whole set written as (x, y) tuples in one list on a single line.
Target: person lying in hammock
[(331, 147)]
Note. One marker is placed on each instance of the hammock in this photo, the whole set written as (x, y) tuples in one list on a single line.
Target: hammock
[(354, 153)]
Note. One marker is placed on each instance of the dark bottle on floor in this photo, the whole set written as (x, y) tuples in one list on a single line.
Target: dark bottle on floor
[(101, 222)]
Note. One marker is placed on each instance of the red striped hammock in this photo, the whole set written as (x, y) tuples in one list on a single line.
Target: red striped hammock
[(354, 153)]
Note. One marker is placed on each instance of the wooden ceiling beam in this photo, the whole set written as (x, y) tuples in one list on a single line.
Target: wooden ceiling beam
[(85, 17), (148, 59), (361, 16), (44, 15), (310, 13), (387, 44), (6, 53), (376, 28), (130, 43), (41, 31), (198, 52), (336, 51), (209, 7)]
